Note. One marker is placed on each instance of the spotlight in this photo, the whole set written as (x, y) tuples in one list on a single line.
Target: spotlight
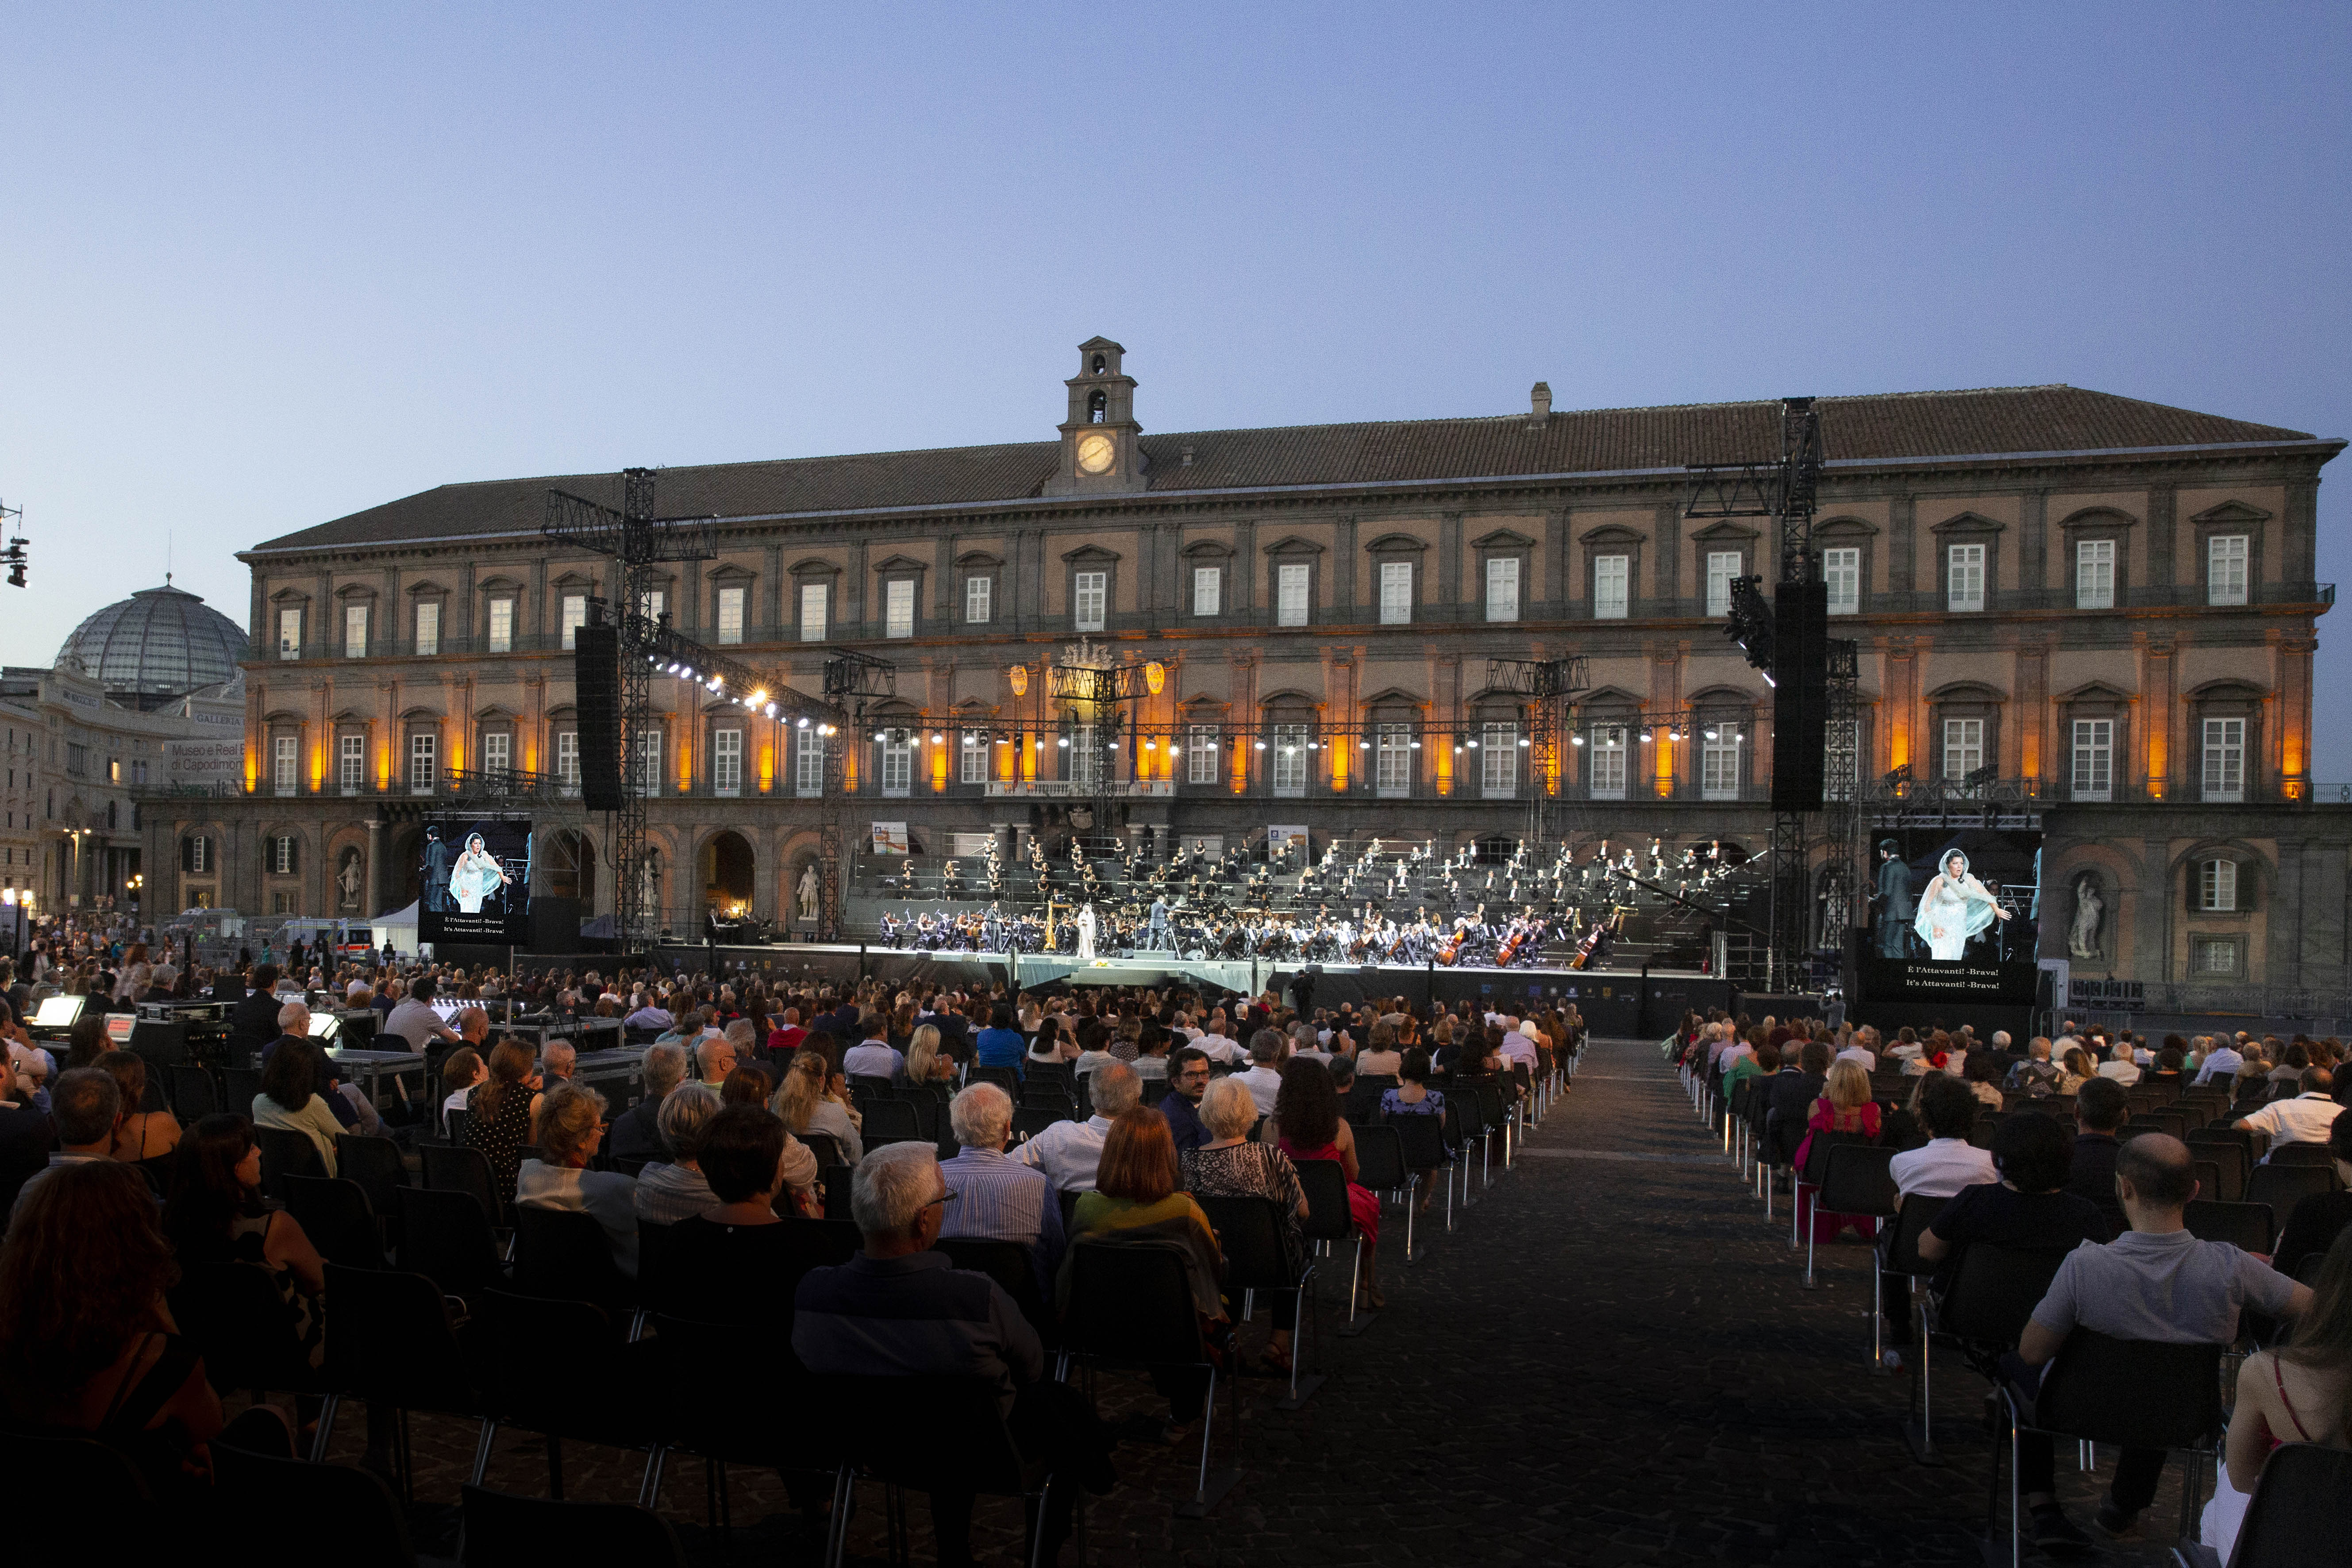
[(801, 725), (1576, 739), (938, 740), (1712, 735), (1261, 745)]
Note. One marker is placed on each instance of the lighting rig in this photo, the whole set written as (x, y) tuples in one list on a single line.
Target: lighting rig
[(1550, 686), (14, 557)]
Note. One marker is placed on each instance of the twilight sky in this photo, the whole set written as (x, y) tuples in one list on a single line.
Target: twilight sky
[(261, 266)]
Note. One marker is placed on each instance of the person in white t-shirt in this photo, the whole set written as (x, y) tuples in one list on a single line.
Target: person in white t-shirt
[(1948, 1161)]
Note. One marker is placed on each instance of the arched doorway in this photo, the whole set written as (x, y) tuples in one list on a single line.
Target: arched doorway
[(404, 875), (727, 875)]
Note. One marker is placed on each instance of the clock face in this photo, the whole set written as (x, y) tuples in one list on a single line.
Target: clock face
[(1096, 453)]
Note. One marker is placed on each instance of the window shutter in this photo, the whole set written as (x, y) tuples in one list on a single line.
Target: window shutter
[(187, 852)]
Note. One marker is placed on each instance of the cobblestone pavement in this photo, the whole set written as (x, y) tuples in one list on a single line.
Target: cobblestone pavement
[(1612, 1359)]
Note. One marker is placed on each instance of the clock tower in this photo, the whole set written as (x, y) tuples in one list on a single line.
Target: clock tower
[(1102, 452)]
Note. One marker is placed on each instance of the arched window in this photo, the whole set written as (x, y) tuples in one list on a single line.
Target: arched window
[(1099, 365), (1097, 407)]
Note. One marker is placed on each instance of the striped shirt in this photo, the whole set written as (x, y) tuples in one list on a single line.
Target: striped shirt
[(999, 1199)]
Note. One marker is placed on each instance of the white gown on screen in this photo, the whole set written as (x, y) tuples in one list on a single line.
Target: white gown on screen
[(475, 878), (1952, 910)]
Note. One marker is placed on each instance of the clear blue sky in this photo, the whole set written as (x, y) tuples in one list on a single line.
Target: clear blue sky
[(262, 267)]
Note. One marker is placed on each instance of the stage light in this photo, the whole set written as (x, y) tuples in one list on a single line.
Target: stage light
[(1647, 736), (877, 734), (1261, 745), (1712, 735), (1150, 745), (1062, 741), (1114, 745), (1474, 745), (1576, 739), (1363, 745), (1416, 745), (1768, 680), (1523, 743)]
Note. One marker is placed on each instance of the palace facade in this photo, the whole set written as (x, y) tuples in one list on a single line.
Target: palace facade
[(2102, 608)]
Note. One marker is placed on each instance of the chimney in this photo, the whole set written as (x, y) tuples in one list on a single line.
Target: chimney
[(1540, 400), (1188, 454)]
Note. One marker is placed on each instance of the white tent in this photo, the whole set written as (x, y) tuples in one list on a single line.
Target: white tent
[(398, 927)]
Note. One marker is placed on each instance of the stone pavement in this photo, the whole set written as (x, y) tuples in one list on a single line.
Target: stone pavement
[(1611, 1360)]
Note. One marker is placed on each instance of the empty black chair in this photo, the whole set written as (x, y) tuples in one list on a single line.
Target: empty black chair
[(2249, 1227), (447, 1237), (1028, 1120), (194, 1096), (2232, 1161), (564, 1255), (891, 1122), (82, 1484), (244, 1083), (1050, 1093), (338, 1219), (2301, 1513), (1381, 1167), (1131, 1305), (284, 1507), (1994, 1290), (393, 1347), (1899, 1253), (286, 1153), (559, 1368), (1462, 1131), (1007, 1263), (1006, 1079), (2300, 1154), (966, 1449), (1258, 1257), (871, 1083), (835, 1180), (457, 1169), (1421, 1146), (502, 1530), (2283, 1186), (825, 1147), (733, 1420)]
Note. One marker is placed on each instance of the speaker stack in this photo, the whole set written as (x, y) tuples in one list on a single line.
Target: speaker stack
[(1800, 695), (596, 680)]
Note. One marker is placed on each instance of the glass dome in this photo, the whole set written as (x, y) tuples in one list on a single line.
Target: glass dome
[(157, 645)]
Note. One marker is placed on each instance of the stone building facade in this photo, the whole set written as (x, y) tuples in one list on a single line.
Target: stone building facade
[(2108, 606)]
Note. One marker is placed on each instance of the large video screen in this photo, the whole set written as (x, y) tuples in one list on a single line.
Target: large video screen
[(1954, 914), (475, 876)]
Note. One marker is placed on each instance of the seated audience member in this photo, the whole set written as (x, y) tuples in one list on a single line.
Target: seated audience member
[(1414, 1097), (1230, 1166), (1790, 1097), (499, 1113), (675, 1189), (1263, 1078), (85, 1342), (1979, 1075), (1307, 1125), (2075, 1068), (734, 1262), (806, 1105), (461, 1069), (2297, 1393), (2317, 1220), (747, 1085), (927, 1063), (216, 1216), (1151, 1064), (714, 1057), (2101, 1108), (1139, 1198), (1188, 1081), (1067, 1152), (1845, 1107), (1762, 1063), (290, 1097), (2306, 1118), (2219, 1064), (2035, 1077), (636, 1132), (1000, 1045), (999, 1199), (1380, 1057), (571, 1124), (2157, 1282), (558, 1059), (2028, 1208), (899, 1308), (2120, 1067), (1947, 1161), (142, 1135)]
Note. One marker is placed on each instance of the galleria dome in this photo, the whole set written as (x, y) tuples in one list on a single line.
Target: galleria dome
[(157, 645)]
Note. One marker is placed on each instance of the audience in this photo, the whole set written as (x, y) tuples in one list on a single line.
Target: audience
[(807, 1106), (288, 1097), (2305, 1118), (216, 1215), (569, 1127), (1948, 1162), (2318, 1219), (675, 1189), (1230, 1166), (2299, 1392), (1000, 1199), (734, 1262), (1307, 1125), (142, 1134), (2028, 1207), (499, 1115), (1068, 1151), (1846, 1108), (2101, 1108), (1188, 1081), (636, 1134)]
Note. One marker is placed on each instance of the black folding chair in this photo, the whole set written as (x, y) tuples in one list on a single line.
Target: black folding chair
[(1330, 1222), (2301, 1155), (457, 1169), (1007, 1263), (84, 1486), (1381, 1167), (286, 1153), (1994, 1291), (503, 1530), (733, 1421), (2133, 1394), (966, 1447), (195, 1095), (1898, 1252), (2249, 1227), (2283, 1186), (287, 1507), (244, 1083), (1250, 1234), (1028, 1120), (1856, 1179), (2299, 1516), (564, 1255), (1421, 1146), (891, 1122), (1815, 1170), (393, 1347), (1131, 1305), (234, 1316), (336, 1217), (447, 1237), (559, 1368), (2229, 1158)]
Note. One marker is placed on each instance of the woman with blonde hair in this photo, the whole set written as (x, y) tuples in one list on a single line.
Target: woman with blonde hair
[(2075, 1070), (1844, 1108), (923, 1059), (807, 1103)]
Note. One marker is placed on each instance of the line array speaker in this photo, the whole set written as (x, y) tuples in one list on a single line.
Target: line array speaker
[(1800, 694), (596, 682)]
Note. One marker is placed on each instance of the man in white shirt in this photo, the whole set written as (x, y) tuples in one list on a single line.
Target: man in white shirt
[(1864, 1039), (1516, 1047), (2305, 1119), (1948, 1161), (648, 1016), (2217, 1058), (1263, 1078), (415, 1021), (2121, 1069), (874, 1057), (1068, 1151), (1214, 1042)]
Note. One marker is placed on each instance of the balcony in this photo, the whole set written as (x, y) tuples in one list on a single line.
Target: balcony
[(1073, 789)]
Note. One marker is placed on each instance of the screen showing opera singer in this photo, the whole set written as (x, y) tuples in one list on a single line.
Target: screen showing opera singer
[(474, 881)]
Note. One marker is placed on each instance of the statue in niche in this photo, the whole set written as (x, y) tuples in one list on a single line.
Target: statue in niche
[(2083, 936), (805, 899), (350, 880)]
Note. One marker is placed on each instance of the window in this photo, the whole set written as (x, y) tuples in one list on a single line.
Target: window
[(1392, 777), (114, 770), (567, 761), (1964, 586), (974, 767), (428, 627), (351, 764), (289, 634), (2095, 759), (1201, 754), (77, 759), (654, 604), (2225, 569), (1605, 761), (1396, 593), (2214, 954), (1291, 583), (1088, 589), (1718, 761), (1499, 758), (2225, 759), (898, 607), (1085, 761), (1503, 588), (1963, 746), (424, 761), (808, 763), (1841, 569), (502, 625), (286, 764), (1287, 746), (730, 615), (813, 611), (2217, 887), (282, 856), (497, 752), (897, 762), (1610, 575), (1208, 590), (977, 591), (199, 855), (1722, 569), (575, 616), (650, 762), (727, 761), (355, 617), (2095, 574)]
